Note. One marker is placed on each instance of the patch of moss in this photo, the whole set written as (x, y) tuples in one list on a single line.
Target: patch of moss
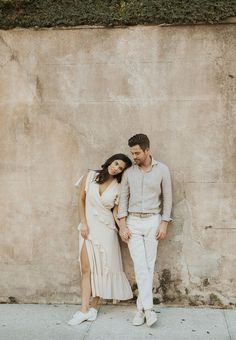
[(214, 300), (165, 281), (12, 299), (50, 13), (156, 301)]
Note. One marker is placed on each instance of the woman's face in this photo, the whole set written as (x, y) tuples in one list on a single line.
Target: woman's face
[(116, 167)]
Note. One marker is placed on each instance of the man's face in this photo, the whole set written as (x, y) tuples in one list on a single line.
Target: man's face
[(139, 156)]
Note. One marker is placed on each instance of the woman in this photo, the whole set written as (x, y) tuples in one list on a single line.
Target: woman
[(100, 256)]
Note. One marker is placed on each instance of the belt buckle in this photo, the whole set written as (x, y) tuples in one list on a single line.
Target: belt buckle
[(145, 215)]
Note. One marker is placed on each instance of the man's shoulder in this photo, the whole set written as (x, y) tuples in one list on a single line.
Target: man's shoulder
[(162, 166), (130, 170)]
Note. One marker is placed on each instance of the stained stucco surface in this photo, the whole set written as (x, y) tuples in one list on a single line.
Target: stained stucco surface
[(71, 98)]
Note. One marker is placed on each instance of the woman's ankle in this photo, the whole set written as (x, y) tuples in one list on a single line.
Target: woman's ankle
[(84, 309), (95, 302)]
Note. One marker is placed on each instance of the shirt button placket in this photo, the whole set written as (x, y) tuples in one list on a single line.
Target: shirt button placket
[(142, 192)]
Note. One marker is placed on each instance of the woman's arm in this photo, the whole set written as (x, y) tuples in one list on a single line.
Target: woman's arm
[(115, 212), (82, 198), (119, 223)]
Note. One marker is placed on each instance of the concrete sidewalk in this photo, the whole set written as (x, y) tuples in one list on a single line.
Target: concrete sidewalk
[(48, 322)]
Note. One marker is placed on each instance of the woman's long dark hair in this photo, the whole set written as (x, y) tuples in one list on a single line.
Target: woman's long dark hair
[(103, 174)]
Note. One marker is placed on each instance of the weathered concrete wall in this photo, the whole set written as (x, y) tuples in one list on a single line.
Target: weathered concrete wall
[(71, 98)]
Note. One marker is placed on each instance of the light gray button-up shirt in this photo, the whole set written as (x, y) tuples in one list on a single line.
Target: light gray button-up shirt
[(146, 191)]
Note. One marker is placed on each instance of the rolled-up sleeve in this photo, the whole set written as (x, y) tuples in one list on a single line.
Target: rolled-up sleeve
[(124, 197), (166, 195)]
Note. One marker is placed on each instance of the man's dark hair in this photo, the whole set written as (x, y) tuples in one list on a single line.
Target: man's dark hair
[(141, 140)]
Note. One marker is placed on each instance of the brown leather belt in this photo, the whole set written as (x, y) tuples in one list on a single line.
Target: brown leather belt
[(142, 215)]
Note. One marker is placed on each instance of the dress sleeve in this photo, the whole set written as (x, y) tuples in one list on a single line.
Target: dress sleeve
[(90, 178), (78, 182), (117, 197)]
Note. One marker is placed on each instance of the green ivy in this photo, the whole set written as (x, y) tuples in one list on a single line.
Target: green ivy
[(53, 13)]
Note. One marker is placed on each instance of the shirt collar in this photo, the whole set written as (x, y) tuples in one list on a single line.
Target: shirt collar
[(154, 162)]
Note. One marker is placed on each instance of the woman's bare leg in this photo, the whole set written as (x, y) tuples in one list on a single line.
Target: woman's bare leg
[(95, 301), (85, 280)]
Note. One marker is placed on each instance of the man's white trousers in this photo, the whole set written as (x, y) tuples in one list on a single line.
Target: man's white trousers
[(143, 250)]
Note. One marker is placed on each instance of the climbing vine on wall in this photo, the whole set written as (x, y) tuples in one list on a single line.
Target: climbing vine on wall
[(51, 13)]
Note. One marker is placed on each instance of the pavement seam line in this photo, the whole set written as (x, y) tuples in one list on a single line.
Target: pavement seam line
[(91, 322), (227, 325)]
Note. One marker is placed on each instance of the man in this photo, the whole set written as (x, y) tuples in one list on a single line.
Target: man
[(144, 214)]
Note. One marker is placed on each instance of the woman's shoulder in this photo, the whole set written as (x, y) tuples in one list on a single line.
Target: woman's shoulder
[(91, 175), (88, 176)]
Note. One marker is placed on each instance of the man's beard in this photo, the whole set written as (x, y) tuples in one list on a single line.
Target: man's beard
[(137, 161)]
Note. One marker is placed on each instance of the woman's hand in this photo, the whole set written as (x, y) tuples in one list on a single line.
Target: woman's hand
[(84, 231), (125, 234)]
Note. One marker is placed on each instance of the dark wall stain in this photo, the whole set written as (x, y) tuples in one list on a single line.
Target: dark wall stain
[(165, 282), (12, 299), (215, 300), (27, 125), (39, 88)]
